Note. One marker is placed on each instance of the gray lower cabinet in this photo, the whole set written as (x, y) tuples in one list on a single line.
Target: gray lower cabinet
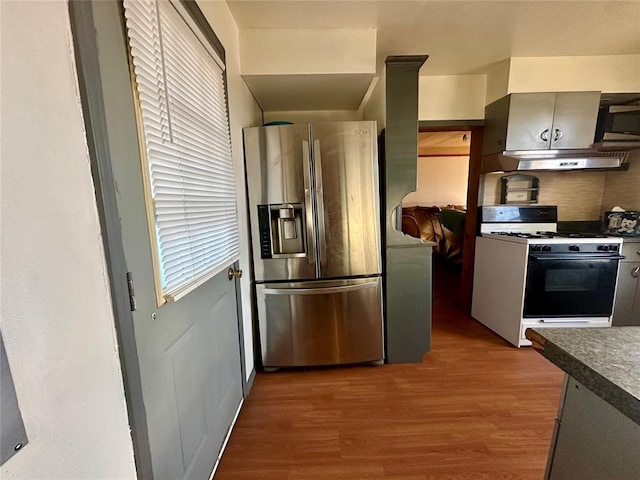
[(626, 310), (593, 440)]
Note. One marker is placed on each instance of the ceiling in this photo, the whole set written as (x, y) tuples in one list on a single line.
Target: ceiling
[(308, 92), (460, 37), (444, 144)]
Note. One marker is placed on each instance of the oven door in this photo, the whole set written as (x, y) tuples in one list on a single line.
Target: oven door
[(570, 285)]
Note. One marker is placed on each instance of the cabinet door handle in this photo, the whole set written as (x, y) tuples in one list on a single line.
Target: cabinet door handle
[(635, 272), (544, 135), (558, 135)]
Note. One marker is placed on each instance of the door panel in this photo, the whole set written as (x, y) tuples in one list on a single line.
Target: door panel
[(626, 310), (186, 377), (574, 120), (346, 172), (320, 323), (189, 353), (530, 121), (279, 173)]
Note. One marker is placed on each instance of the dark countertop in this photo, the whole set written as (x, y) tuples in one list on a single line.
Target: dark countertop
[(605, 360)]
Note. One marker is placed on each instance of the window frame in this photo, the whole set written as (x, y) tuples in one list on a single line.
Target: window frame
[(198, 24)]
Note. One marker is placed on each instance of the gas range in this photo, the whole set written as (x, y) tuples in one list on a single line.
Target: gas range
[(527, 274)]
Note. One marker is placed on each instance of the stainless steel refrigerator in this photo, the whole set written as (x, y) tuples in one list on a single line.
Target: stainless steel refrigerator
[(314, 213)]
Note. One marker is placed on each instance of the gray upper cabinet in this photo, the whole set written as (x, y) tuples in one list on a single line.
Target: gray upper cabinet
[(541, 121)]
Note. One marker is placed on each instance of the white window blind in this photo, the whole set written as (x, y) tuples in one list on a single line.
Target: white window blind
[(189, 168)]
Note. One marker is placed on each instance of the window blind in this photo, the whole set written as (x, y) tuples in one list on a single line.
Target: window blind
[(183, 115)]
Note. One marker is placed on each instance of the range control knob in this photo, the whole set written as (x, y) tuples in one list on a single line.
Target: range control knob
[(546, 248), (574, 248), (535, 248), (614, 248), (604, 248)]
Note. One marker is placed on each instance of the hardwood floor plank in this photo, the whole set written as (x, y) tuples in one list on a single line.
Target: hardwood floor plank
[(475, 408)]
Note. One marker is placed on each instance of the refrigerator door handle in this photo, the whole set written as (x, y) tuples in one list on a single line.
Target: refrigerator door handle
[(319, 290), (311, 243), (317, 163)]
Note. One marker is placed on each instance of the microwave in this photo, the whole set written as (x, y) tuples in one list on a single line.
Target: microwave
[(618, 123)]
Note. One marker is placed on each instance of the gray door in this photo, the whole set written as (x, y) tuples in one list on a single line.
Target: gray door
[(188, 351), (346, 173)]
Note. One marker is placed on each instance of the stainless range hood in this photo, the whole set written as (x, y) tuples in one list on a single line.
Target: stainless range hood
[(553, 160)]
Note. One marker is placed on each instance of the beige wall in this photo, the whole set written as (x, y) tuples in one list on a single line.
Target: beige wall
[(442, 181), (497, 81), (456, 97), (451, 97), (613, 73), (57, 321), (243, 112)]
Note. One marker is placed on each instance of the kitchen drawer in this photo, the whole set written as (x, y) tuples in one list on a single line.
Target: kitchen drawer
[(320, 323), (559, 323)]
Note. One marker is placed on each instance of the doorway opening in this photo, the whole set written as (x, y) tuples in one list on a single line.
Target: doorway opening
[(443, 209)]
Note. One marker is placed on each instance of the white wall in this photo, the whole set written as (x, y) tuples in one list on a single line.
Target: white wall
[(314, 116), (57, 320), (611, 74), (243, 112), (451, 97), (305, 51), (442, 181), (376, 106)]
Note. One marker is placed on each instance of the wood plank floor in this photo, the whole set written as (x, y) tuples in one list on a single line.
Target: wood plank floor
[(475, 408)]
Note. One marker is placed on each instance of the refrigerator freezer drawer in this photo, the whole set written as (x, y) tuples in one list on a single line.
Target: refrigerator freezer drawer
[(321, 322)]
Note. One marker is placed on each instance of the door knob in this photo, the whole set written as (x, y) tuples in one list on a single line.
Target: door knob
[(233, 273)]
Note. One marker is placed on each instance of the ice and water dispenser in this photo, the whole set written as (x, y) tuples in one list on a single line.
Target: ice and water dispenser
[(281, 230)]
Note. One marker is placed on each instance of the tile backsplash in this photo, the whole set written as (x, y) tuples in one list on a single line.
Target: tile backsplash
[(578, 195), (623, 188)]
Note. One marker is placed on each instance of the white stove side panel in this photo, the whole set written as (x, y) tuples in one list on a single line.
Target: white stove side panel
[(498, 286)]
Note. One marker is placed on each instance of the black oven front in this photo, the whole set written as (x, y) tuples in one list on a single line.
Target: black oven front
[(568, 282)]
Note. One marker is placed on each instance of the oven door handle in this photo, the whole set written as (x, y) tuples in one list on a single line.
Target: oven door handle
[(579, 256)]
